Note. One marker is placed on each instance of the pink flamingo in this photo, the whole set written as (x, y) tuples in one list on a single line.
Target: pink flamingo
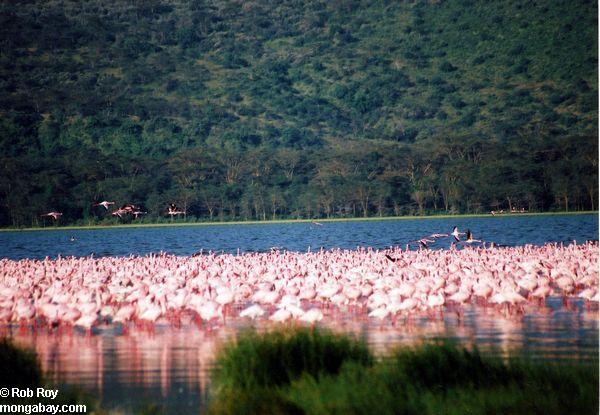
[(53, 215), (104, 204)]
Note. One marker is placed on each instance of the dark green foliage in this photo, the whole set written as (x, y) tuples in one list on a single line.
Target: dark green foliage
[(100, 100), (445, 379), (430, 379), (19, 368), (532, 388), (255, 401)]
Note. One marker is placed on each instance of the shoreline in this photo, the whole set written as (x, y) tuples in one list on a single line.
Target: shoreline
[(289, 221)]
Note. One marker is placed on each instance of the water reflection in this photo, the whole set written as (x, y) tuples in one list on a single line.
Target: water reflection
[(171, 366)]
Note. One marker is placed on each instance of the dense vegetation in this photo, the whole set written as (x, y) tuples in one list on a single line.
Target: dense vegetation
[(263, 109), (323, 374)]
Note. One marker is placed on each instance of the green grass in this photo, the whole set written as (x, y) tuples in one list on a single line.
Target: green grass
[(288, 221), (270, 373), (276, 358)]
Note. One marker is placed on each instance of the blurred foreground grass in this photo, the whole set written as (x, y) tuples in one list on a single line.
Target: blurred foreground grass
[(314, 371), (311, 371)]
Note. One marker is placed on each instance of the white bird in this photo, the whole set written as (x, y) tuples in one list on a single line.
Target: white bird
[(281, 315), (54, 215), (254, 311), (312, 316), (209, 310), (380, 313), (456, 233), (105, 204)]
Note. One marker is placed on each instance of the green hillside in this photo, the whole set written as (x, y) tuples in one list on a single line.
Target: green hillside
[(261, 109)]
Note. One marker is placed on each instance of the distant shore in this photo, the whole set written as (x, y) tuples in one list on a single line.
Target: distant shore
[(287, 221)]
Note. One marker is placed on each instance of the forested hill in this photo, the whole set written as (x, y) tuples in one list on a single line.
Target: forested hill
[(260, 109)]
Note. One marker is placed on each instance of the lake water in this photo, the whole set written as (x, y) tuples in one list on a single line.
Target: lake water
[(505, 230), (171, 367)]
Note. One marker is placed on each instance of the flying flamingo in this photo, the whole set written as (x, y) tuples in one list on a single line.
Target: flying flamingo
[(456, 234), (470, 238), (119, 212), (174, 211), (129, 207), (104, 203), (54, 215), (423, 242), (136, 213), (438, 235)]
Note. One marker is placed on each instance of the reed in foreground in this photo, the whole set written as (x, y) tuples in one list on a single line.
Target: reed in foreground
[(276, 358), (316, 372)]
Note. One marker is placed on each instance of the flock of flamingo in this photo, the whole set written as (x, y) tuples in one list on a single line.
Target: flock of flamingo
[(281, 286), (173, 210), (126, 209)]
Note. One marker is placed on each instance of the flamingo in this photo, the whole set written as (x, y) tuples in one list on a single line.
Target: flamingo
[(423, 242), (53, 215), (391, 258), (254, 311), (64, 291), (173, 211), (380, 313), (456, 234), (312, 316), (119, 212), (281, 315), (86, 321), (151, 313), (136, 213), (209, 310), (470, 238), (409, 304), (438, 235), (128, 207), (460, 297), (104, 204)]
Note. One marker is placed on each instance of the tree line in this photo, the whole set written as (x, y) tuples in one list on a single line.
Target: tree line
[(341, 179)]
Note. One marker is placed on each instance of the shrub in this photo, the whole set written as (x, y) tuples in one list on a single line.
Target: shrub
[(303, 371)]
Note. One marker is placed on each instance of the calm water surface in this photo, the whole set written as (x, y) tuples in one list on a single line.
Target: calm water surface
[(171, 367), (506, 230)]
